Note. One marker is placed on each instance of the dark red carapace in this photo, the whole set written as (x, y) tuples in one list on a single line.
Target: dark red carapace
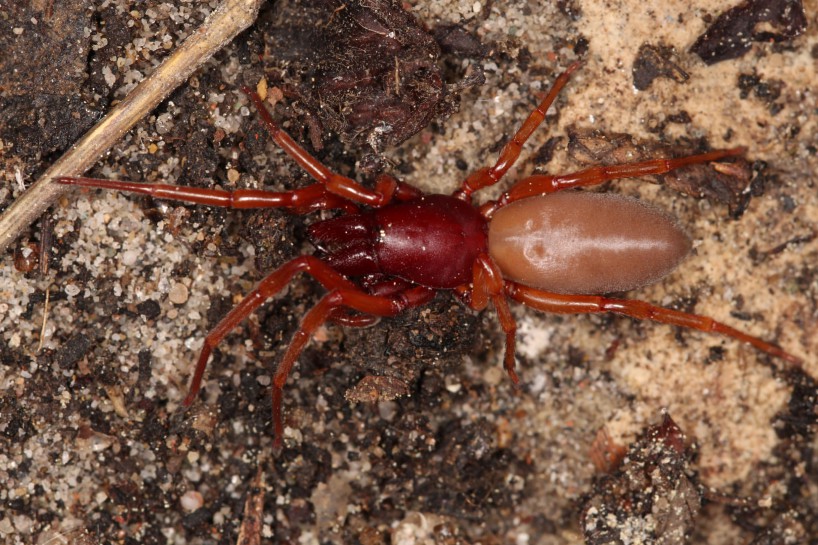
[(432, 241), (554, 252)]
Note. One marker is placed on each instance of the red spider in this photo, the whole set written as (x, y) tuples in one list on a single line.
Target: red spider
[(549, 252)]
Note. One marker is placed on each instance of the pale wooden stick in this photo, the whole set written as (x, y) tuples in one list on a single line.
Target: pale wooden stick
[(220, 27)]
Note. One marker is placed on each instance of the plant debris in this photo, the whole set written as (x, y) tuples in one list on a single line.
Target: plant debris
[(652, 498), (732, 34), (366, 71), (374, 388), (656, 61)]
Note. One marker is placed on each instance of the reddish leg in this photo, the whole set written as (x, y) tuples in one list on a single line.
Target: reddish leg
[(267, 288), (508, 156), (544, 184), (384, 288), (592, 304), (386, 188), (331, 191), (313, 197), (488, 284), (341, 298)]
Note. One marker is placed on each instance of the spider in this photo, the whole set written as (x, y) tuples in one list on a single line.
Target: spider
[(393, 247)]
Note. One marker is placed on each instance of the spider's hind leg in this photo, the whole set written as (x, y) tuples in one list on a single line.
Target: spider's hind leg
[(593, 304)]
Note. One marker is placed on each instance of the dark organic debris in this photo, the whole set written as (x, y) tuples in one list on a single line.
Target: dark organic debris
[(759, 256), (73, 350), (374, 388), (734, 31), (784, 529), (656, 61), (45, 105), (44, 123), (404, 347), (765, 90), (368, 71), (271, 232), (49, 50), (725, 183), (456, 39), (785, 518), (651, 498)]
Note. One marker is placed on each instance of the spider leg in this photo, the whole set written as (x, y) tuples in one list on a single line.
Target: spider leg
[(267, 288), (331, 191), (508, 156), (488, 284), (385, 190), (388, 287), (541, 184), (312, 197), (640, 310), (340, 298)]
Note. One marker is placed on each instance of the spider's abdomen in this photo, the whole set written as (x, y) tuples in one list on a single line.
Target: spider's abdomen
[(582, 243), (432, 241)]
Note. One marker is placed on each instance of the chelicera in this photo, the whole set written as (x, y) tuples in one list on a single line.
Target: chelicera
[(393, 247)]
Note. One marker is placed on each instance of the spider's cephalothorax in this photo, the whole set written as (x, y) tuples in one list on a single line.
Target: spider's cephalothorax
[(432, 240)]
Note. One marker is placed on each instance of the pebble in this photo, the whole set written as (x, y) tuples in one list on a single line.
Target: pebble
[(178, 294), (191, 501), (72, 290)]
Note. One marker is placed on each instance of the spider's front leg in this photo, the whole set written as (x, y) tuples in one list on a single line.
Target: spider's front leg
[(332, 191), (312, 197), (269, 287), (488, 176)]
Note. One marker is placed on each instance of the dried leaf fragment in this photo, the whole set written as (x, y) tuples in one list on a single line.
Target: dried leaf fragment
[(373, 388), (656, 62), (734, 31), (651, 498)]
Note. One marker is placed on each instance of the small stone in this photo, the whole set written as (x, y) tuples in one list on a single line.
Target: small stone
[(150, 309), (191, 501), (164, 123), (72, 290), (130, 257), (178, 294), (261, 89)]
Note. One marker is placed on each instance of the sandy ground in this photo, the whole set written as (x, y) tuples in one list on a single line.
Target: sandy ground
[(93, 446)]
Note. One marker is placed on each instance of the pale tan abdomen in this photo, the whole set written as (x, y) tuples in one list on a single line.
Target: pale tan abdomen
[(579, 242)]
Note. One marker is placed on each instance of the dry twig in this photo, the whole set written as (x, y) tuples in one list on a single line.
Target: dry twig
[(230, 18)]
